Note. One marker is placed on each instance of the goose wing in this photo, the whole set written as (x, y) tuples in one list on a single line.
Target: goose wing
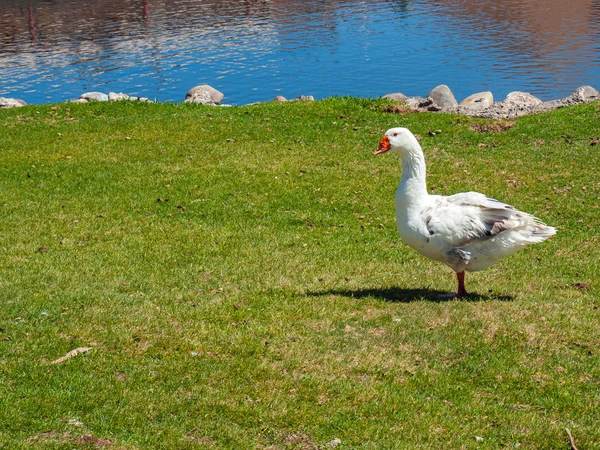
[(461, 219)]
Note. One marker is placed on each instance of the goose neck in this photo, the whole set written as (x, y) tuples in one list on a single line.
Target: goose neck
[(413, 181)]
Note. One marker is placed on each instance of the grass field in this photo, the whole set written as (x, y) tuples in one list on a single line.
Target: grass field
[(237, 275)]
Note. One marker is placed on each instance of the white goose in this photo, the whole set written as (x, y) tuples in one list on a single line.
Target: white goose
[(467, 231)]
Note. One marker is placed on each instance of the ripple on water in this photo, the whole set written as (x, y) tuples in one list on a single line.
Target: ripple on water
[(253, 51)]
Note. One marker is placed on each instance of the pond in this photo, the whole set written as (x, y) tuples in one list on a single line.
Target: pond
[(253, 50)]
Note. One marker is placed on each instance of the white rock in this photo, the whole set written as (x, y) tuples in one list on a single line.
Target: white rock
[(481, 100), (415, 102), (280, 98), (114, 97), (204, 94), (586, 94), (522, 99), (11, 102), (423, 104), (396, 97), (94, 97)]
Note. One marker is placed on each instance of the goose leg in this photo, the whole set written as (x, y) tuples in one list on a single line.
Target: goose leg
[(461, 287), (461, 284)]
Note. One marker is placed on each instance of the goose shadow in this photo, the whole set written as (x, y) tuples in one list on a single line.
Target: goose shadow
[(403, 295)]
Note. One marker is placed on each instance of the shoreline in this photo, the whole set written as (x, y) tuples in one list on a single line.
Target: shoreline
[(439, 99)]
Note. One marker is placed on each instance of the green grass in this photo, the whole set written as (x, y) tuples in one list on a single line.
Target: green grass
[(238, 275)]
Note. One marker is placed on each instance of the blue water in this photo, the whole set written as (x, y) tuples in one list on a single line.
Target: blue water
[(254, 50)]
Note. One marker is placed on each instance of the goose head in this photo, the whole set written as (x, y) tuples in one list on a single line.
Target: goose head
[(399, 140)]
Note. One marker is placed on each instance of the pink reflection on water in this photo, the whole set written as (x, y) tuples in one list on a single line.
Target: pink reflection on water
[(146, 13), (31, 22)]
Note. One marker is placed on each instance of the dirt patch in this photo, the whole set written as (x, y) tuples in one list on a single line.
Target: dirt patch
[(66, 438), (93, 441), (582, 286), (51, 436), (398, 109), (493, 127)]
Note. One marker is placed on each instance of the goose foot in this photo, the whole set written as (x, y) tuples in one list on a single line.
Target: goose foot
[(462, 292)]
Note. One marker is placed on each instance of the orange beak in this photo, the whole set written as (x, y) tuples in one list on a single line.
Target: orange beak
[(384, 146)]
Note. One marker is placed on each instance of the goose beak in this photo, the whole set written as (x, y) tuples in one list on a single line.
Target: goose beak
[(384, 146)]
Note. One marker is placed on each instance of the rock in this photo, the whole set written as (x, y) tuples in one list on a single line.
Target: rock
[(514, 105), (422, 104), (521, 99), (582, 94), (443, 97), (79, 100), (280, 98), (586, 94), (308, 98), (11, 102), (204, 94), (414, 102), (396, 97), (478, 101), (521, 103), (482, 104), (115, 97), (94, 97)]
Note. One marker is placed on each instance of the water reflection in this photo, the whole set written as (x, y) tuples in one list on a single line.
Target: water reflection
[(253, 50)]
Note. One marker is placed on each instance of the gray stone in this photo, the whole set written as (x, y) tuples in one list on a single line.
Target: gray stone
[(502, 110), (443, 97), (396, 97), (521, 103), (94, 97), (308, 98), (280, 98), (204, 94), (478, 101), (422, 104), (583, 94), (78, 100), (115, 97), (11, 102), (586, 94), (414, 102), (514, 105), (522, 99)]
